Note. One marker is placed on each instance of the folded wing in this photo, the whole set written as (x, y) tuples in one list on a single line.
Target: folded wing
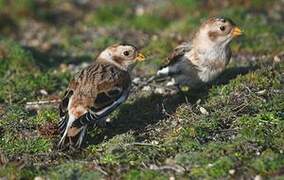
[(93, 94), (173, 58)]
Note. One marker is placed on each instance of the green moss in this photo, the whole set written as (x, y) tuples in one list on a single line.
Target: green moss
[(21, 77), (146, 174), (191, 159), (28, 86), (216, 169), (15, 59), (260, 3), (121, 150), (268, 162), (9, 172), (260, 35), (149, 23), (12, 145), (12, 116), (158, 48), (220, 167), (109, 14), (262, 129), (12, 172), (73, 170), (204, 141), (189, 5), (114, 143), (47, 115), (102, 42), (244, 128), (156, 52), (20, 8)]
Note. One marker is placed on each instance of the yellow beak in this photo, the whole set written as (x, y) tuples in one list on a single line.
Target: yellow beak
[(140, 57), (237, 31)]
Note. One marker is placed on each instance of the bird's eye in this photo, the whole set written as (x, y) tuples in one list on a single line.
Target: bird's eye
[(222, 28), (126, 53)]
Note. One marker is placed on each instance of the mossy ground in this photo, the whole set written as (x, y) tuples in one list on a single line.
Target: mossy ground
[(233, 128)]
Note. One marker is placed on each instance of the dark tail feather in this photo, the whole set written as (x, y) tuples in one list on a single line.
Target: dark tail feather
[(86, 119), (63, 123)]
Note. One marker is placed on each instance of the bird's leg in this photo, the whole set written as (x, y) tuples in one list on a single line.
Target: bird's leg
[(69, 124), (182, 93), (81, 136), (101, 122), (70, 141)]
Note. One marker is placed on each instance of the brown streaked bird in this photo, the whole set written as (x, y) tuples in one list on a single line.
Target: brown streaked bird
[(96, 91), (205, 57)]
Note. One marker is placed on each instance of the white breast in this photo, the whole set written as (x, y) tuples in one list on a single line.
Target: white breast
[(206, 74), (212, 63)]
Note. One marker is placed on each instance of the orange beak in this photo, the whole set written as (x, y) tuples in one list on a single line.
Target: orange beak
[(140, 57), (237, 31)]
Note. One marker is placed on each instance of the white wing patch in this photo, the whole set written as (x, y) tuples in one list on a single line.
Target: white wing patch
[(163, 72), (110, 108)]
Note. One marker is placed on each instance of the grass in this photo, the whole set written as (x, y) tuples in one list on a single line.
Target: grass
[(151, 136)]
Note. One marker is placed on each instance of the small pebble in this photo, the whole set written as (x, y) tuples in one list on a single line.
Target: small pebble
[(63, 67), (43, 92), (108, 119), (84, 64), (136, 80), (232, 171), (139, 11), (262, 92), (203, 110), (170, 161), (146, 88), (210, 165), (258, 177), (160, 91), (155, 142), (198, 101), (276, 59), (153, 166), (154, 37), (39, 178)]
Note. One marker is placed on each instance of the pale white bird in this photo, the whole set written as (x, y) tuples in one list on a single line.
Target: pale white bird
[(205, 57)]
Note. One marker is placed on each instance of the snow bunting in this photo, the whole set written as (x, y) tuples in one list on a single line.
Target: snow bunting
[(96, 91), (203, 59)]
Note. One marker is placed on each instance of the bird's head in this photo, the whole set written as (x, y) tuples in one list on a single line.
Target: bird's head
[(124, 56), (218, 31)]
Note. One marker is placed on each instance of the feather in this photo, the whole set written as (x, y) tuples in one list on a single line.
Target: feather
[(93, 94)]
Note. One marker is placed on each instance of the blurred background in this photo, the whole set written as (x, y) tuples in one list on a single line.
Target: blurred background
[(73, 31)]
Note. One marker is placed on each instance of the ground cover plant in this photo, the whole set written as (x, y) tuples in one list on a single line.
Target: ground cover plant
[(232, 128)]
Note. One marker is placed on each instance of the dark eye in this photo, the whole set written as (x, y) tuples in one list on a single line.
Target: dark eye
[(222, 28), (126, 53)]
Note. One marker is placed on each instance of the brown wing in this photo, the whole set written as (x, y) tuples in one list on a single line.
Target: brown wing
[(68, 93), (178, 52), (93, 93), (63, 106), (107, 85), (99, 88)]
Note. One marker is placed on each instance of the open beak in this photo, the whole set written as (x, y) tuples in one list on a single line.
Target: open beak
[(237, 31), (140, 57)]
